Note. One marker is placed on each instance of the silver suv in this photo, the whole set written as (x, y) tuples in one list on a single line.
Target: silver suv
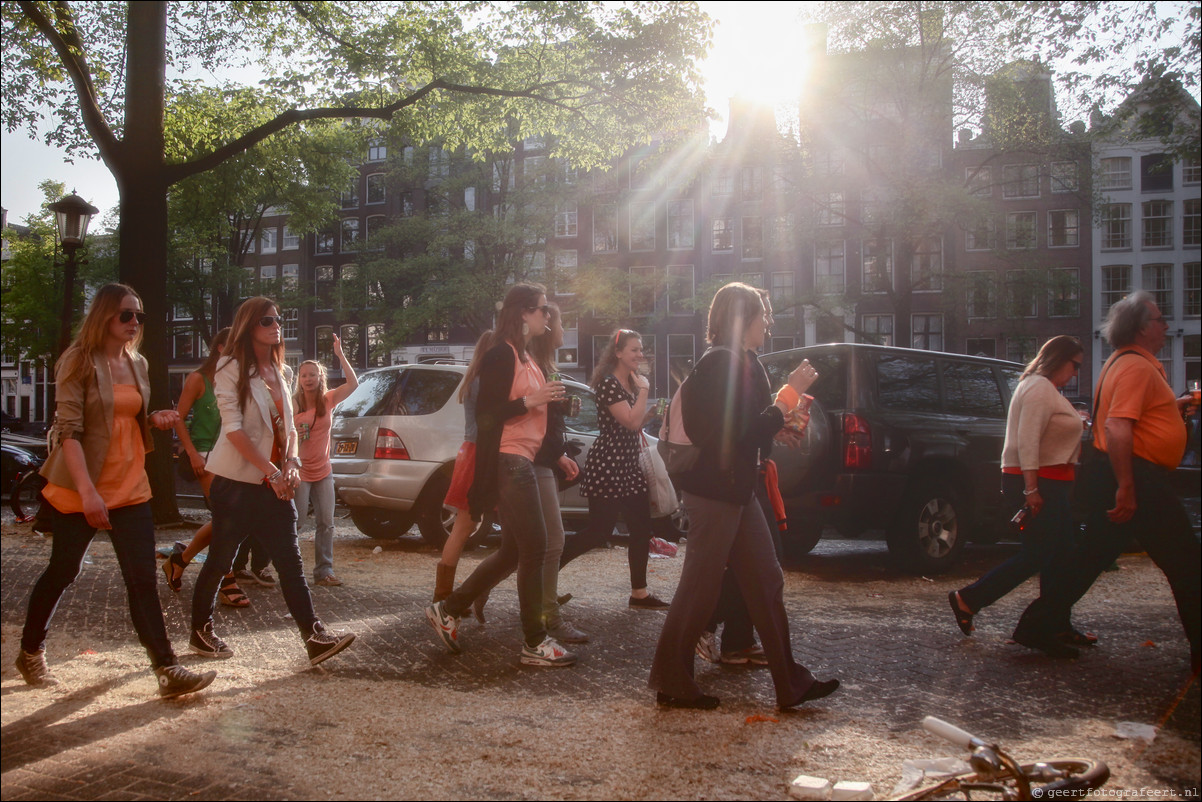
[(393, 447)]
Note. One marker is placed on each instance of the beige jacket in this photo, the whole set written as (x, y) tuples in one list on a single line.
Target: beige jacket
[(84, 412), (255, 420)]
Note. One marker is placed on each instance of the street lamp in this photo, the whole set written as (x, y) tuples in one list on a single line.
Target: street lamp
[(72, 215)]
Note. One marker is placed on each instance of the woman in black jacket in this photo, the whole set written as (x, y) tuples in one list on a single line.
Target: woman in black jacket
[(729, 413)]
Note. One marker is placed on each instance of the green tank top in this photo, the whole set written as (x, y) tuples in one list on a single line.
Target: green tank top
[(206, 420)]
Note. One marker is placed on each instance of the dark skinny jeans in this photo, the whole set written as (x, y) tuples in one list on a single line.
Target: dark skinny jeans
[(238, 509), (603, 515), (133, 542)]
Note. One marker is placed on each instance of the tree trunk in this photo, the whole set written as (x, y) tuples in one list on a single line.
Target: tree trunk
[(142, 239)]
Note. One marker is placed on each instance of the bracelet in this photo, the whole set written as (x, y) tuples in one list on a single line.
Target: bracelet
[(278, 473), (294, 460), (1030, 492), (789, 396)]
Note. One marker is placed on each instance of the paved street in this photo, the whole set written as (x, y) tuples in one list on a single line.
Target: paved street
[(397, 717)]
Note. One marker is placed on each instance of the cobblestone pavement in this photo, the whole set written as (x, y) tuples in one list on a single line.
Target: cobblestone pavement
[(270, 728)]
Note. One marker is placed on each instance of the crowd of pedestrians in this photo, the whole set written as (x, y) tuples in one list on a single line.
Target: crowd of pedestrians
[(258, 442)]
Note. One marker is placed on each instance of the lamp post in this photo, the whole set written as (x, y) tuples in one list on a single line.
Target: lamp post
[(72, 215)]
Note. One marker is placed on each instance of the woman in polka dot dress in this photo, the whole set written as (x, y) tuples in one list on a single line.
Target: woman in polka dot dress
[(613, 479)]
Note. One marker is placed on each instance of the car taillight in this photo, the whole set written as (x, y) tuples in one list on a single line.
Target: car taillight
[(389, 445), (857, 442)]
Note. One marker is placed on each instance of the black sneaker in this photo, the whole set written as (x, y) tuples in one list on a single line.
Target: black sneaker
[(176, 681), (649, 602), (264, 577), (324, 644), (206, 644)]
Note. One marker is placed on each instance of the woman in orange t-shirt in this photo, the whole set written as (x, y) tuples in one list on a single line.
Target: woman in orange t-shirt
[(97, 480)]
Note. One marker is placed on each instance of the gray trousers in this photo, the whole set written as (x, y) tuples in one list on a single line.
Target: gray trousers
[(721, 533), (321, 493), (548, 495)]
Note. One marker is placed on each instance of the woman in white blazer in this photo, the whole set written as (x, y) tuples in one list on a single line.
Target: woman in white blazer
[(256, 466)]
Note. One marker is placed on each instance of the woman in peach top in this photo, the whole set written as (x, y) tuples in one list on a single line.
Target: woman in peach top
[(97, 480)]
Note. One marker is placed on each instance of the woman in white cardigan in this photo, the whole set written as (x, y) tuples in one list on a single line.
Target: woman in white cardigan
[(1043, 441), (256, 473)]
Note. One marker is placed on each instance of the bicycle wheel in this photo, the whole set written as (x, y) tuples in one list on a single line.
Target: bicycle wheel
[(1060, 778), (25, 496)]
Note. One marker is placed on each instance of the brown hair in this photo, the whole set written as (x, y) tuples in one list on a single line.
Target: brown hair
[(209, 366), (487, 340), (76, 361), (298, 398), (519, 299), (542, 348), (734, 307), (1052, 356), (609, 357), (242, 346)]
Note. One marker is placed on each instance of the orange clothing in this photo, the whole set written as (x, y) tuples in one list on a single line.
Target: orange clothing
[(122, 481), (1136, 388), (523, 435)]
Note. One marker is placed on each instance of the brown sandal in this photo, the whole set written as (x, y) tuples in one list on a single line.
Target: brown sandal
[(230, 594)]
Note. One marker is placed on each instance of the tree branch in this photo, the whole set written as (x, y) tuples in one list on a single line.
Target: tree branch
[(70, 50)]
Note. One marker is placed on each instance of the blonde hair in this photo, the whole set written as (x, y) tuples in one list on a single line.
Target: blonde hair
[(1052, 356), (734, 307), (298, 398), (76, 361)]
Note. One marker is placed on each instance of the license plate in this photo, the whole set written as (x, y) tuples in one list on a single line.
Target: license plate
[(346, 447)]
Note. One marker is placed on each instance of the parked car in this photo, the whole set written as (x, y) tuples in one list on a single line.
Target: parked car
[(17, 458), (900, 440), (393, 447)]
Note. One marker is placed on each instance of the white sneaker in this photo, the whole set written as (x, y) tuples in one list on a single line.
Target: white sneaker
[(447, 626), (707, 647), (547, 653)]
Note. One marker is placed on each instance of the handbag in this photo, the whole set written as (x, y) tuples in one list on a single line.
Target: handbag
[(660, 492), (676, 450)]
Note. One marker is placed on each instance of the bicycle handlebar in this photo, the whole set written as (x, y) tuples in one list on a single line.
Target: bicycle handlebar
[(949, 732)]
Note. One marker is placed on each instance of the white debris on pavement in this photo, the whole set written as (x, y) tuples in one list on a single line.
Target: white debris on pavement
[(852, 791), (810, 788), (1135, 731), (920, 771)]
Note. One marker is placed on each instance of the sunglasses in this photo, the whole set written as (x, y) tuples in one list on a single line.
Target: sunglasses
[(1077, 364), (267, 320), (545, 309), (618, 335), (129, 314)]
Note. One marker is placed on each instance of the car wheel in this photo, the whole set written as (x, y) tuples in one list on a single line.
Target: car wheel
[(379, 523), (25, 496), (435, 519), (801, 540), (930, 530)]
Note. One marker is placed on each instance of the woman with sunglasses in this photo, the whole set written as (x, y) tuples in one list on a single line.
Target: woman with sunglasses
[(1043, 440), (256, 465), (97, 480), (511, 422), (315, 403), (614, 483)]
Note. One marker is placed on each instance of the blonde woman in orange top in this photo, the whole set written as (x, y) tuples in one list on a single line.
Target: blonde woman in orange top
[(97, 480)]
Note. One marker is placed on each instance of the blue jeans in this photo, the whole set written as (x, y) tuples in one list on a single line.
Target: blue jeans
[(1047, 541), (240, 508), (523, 545), (322, 494), (133, 541)]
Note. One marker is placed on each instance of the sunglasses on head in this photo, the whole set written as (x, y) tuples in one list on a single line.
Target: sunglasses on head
[(267, 320), (129, 314), (620, 332)]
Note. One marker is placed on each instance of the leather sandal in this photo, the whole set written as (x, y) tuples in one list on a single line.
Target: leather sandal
[(173, 568), (231, 595), (963, 619)]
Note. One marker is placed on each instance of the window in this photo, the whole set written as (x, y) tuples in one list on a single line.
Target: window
[(1191, 222), (926, 332), (348, 287), (566, 263), (681, 289), (1063, 228), (829, 266), (375, 224), (981, 346), (829, 162), (323, 339), (605, 228), (782, 293), (269, 240), (1064, 292), (642, 226), (751, 182), (1116, 226), (681, 356), (1191, 170), (440, 163), (908, 383), (1020, 181), (378, 355), (1158, 280), (1064, 177), (375, 188), (780, 232), (876, 329), (1155, 173), (983, 237), (408, 207), (642, 173), (753, 238), (1115, 173), (722, 183), (723, 234), (350, 233), (1116, 284), (268, 272), (350, 198), (873, 205), (351, 344), (290, 274), (1158, 224), (184, 344), (979, 180), (1191, 285), (972, 390), (323, 285), (926, 266), (1020, 230), (1021, 349), (566, 220), (291, 239), (642, 291), (377, 151), (1021, 296), (982, 294), (831, 210), (680, 224), (291, 323), (878, 265)]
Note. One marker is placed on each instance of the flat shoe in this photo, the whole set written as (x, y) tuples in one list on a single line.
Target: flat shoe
[(1074, 637), (963, 619), (702, 702), (1048, 644), (649, 602), (818, 690)]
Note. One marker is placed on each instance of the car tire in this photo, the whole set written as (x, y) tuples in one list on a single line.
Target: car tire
[(380, 523), (801, 540), (25, 496), (930, 529), (435, 519)]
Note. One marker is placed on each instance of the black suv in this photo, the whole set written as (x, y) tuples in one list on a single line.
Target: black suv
[(900, 440)]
